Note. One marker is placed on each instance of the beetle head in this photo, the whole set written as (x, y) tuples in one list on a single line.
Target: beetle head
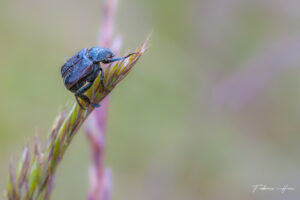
[(99, 54)]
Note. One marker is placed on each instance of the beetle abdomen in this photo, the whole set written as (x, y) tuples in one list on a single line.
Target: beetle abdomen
[(78, 72), (72, 61)]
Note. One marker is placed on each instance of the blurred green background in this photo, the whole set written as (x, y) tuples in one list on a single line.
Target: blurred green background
[(211, 109)]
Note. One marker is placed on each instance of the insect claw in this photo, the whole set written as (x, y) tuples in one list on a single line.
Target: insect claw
[(107, 90), (95, 105)]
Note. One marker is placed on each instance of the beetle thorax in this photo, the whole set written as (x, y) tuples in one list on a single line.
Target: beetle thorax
[(98, 54)]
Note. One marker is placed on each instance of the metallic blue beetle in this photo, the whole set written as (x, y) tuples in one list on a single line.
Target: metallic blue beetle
[(80, 71)]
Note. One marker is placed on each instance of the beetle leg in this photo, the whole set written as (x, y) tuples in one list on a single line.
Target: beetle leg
[(86, 99), (101, 76), (79, 93), (101, 79), (95, 73), (76, 97), (93, 76), (117, 59)]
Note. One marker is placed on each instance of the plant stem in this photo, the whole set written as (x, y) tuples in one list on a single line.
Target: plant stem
[(35, 174)]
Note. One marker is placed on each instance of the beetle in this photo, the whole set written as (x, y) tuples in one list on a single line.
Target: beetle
[(80, 71)]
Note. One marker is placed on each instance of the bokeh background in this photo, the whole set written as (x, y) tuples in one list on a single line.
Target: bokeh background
[(211, 109)]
